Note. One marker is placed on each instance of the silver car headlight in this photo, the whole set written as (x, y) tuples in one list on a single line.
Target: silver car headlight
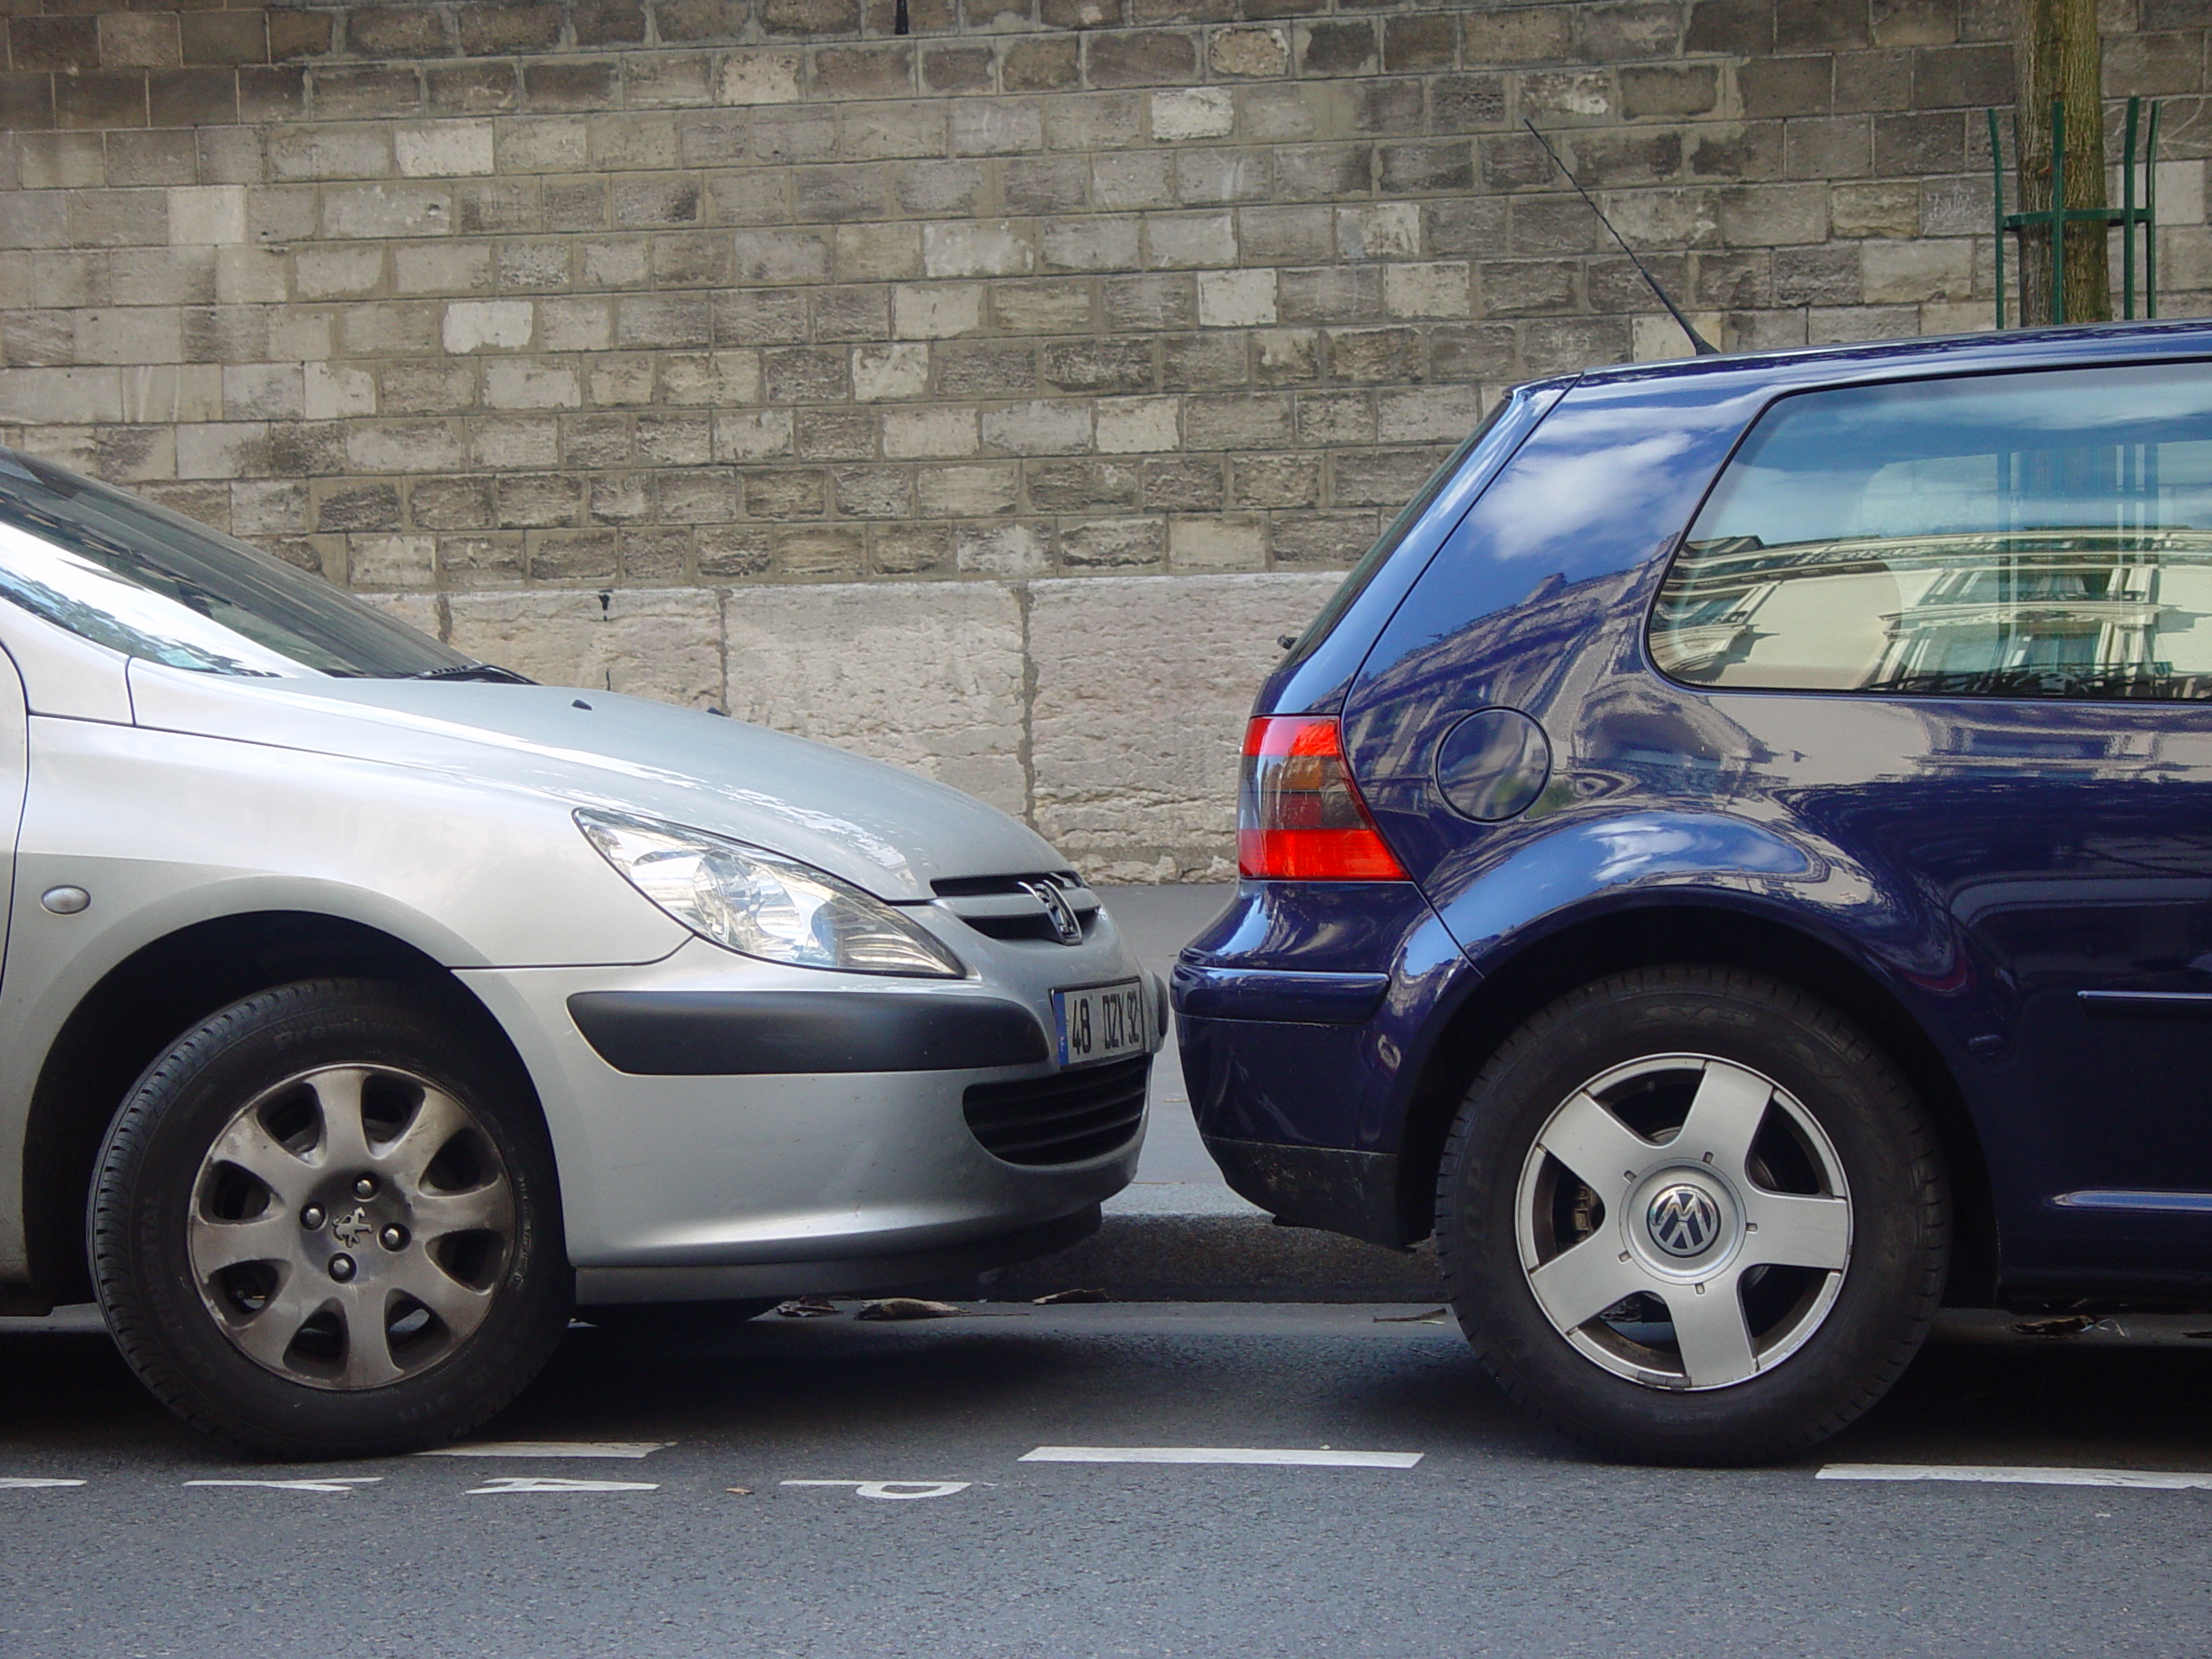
[(759, 903)]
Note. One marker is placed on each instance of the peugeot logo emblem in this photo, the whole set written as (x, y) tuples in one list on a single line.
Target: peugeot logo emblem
[(1065, 926), (352, 1232), (1682, 1221)]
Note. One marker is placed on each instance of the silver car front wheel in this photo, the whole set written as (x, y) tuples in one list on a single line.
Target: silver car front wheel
[(326, 1222)]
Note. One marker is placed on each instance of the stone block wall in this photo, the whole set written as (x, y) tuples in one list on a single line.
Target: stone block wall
[(988, 399)]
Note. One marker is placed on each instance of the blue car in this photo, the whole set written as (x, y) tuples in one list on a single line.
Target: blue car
[(1734, 864)]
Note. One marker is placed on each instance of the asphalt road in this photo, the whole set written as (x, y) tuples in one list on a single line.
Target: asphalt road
[(1499, 1540)]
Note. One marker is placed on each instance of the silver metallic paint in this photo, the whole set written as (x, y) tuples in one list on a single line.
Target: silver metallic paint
[(438, 813)]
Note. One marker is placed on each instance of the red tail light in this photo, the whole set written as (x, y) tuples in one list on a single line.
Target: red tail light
[(1299, 817)]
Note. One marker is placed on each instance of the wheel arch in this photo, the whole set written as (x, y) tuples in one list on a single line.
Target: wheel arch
[(143, 1004), (1498, 1002)]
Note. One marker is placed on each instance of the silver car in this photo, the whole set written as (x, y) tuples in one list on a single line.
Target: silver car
[(363, 1005)]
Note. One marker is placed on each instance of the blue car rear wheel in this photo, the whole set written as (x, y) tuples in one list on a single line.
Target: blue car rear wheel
[(1692, 1215)]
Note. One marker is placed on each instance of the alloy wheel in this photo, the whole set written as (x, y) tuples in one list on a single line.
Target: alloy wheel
[(1683, 1222), (350, 1227)]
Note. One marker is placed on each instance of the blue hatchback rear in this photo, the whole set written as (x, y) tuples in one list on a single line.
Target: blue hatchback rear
[(1735, 864)]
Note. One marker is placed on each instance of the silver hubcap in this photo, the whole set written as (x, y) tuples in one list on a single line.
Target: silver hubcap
[(350, 1227), (1683, 1222)]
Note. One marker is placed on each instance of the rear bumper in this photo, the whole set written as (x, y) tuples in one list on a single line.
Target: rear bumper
[(1206, 991), (1306, 1014), (1277, 1102), (1352, 1193)]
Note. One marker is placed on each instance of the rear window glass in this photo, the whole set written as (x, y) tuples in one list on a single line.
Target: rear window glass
[(1375, 557), (2018, 536)]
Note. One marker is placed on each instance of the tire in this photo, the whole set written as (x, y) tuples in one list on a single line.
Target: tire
[(270, 1301), (1691, 1216)]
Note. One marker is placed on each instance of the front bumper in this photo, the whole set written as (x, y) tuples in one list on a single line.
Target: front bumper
[(841, 1157), (764, 1033), (605, 1286)]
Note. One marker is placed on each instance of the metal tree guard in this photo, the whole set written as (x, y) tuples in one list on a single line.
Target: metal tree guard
[(2127, 216)]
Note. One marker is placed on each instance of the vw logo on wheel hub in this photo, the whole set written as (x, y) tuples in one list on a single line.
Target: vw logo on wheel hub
[(1682, 1220)]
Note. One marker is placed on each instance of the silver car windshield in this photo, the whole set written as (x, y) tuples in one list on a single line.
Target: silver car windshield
[(147, 582)]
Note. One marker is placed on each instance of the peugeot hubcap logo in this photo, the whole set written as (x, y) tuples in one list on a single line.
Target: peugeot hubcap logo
[(1682, 1221), (352, 1232)]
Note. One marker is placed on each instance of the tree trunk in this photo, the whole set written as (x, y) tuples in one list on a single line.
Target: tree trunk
[(2057, 58)]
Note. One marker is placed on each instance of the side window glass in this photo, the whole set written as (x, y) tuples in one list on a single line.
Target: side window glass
[(2042, 534)]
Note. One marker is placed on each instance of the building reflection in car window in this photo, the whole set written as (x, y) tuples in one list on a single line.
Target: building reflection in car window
[(149, 582), (2018, 536)]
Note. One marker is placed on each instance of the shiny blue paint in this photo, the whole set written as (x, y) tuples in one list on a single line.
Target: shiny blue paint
[(2028, 881), (1333, 927), (1252, 1078), (1560, 870), (1313, 678), (1278, 994), (1493, 764)]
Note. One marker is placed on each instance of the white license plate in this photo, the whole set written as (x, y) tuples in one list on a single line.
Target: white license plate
[(1102, 1022)]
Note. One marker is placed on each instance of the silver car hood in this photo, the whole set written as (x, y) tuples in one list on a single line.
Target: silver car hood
[(883, 830)]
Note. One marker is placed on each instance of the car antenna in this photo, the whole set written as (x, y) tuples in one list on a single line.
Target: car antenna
[(1703, 346)]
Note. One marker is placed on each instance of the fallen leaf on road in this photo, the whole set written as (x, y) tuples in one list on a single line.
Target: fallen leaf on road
[(2071, 1325), (1060, 1298), (739, 1492), (907, 1307), (806, 1307)]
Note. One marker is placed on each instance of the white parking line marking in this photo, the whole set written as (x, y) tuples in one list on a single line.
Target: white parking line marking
[(894, 1490), (2151, 1480), (32, 1482), (499, 1483), (1273, 1455), (549, 1449), (317, 1484)]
